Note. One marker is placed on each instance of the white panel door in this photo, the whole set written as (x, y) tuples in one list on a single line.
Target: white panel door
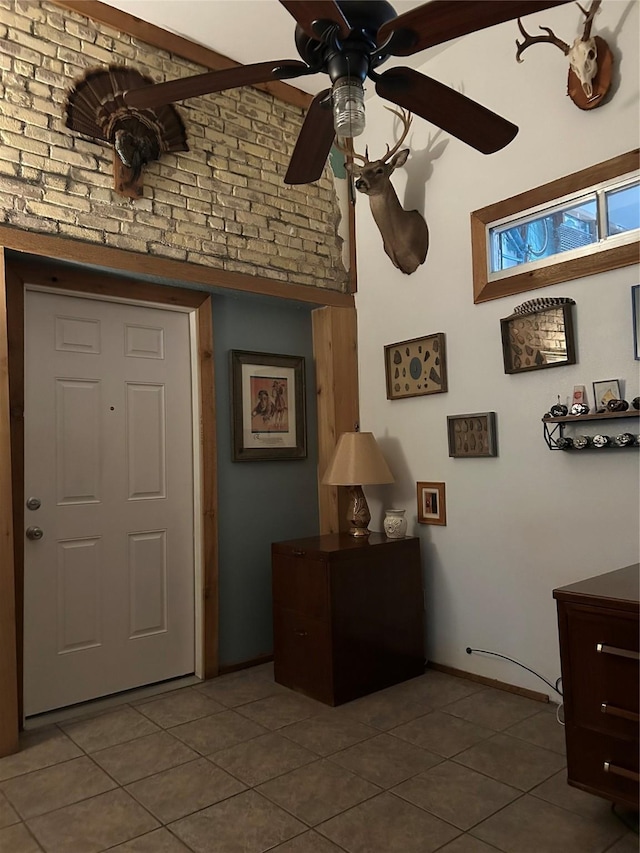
[(109, 588)]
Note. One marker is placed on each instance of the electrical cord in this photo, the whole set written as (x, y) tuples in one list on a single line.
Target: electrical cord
[(555, 686)]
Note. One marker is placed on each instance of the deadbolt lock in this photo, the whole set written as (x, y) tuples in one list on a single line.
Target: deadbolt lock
[(33, 503)]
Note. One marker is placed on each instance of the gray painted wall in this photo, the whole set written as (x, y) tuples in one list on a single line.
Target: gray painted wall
[(259, 502)]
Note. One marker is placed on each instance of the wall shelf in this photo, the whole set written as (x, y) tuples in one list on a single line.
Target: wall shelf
[(553, 434)]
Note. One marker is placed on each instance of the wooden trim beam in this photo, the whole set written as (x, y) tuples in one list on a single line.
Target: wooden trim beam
[(167, 269), (172, 43)]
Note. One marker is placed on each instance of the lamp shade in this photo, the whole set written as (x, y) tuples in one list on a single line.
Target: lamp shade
[(357, 460)]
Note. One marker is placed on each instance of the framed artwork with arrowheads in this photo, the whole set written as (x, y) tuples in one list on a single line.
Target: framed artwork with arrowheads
[(416, 367)]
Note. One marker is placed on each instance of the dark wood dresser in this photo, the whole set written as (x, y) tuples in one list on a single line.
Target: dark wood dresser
[(598, 625), (347, 614)]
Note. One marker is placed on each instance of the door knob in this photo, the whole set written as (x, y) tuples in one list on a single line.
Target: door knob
[(34, 532)]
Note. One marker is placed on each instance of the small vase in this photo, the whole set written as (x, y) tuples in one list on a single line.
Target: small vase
[(395, 524)]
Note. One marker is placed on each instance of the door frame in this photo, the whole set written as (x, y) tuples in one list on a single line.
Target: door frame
[(121, 288)]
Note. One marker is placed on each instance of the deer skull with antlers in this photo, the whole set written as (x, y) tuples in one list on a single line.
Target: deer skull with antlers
[(404, 233), (589, 57)]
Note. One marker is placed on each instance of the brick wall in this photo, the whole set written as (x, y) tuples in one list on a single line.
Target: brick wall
[(223, 203)]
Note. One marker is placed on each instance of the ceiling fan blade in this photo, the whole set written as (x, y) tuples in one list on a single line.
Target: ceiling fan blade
[(307, 11), (213, 81), (314, 142), (455, 113), (442, 20)]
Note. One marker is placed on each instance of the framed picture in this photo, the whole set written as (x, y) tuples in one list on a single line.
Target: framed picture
[(539, 339), (605, 390), (432, 508), (635, 309), (268, 405), (472, 435), (416, 367)]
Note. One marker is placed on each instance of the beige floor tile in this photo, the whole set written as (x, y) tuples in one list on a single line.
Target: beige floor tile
[(92, 825), (280, 710), (387, 824), (308, 842), (38, 748), (627, 844), (54, 787), (436, 689), (512, 761), (108, 729), (530, 826), (468, 844), (328, 733), (185, 789), (158, 841), (179, 707), (557, 791), (247, 823), (7, 813), (494, 709), (441, 733), (262, 758), (318, 791), (219, 731), (385, 760), (456, 794), (18, 839), (542, 729), (239, 689), (136, 759), (383, 710)]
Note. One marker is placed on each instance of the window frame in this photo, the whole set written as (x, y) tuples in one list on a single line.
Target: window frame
[(600, 259)]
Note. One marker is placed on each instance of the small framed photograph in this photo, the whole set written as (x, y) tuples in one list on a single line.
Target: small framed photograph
[(432, 508), (416, 367), (268, 405), (472, 435), (538, 339), (605, 390), (635, 308)]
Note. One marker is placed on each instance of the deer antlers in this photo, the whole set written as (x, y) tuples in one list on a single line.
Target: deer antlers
[(551, 38), (405, 117)]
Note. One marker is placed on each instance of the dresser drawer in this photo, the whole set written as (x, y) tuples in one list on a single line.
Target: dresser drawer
[(301, 584), (604, 687), (302, 656), (589, 754)]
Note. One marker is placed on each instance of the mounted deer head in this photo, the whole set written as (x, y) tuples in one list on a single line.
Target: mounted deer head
[(589, 57), (404, 232)]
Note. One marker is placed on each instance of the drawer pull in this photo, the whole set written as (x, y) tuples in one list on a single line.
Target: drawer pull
[(298, 553), (606, 708), (301, 633), (621, 771), (604, 649)]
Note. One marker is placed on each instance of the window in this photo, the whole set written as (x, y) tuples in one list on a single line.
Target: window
[(585, 223)]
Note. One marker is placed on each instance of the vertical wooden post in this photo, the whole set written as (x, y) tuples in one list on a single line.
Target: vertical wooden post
[(8, 666), (335, 348)]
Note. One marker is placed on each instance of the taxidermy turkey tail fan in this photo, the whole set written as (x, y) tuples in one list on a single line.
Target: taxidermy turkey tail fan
[(348, 40), (95, 107)]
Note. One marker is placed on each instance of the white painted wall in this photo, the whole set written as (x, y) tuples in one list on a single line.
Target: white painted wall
[(530, 520)]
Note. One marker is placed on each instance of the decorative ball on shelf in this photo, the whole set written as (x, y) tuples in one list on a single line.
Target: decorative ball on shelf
[(559, 410), (580, 409), (564, 443), (625, 439), (617, 405), (601, 441), (636, 402), (581, 441)]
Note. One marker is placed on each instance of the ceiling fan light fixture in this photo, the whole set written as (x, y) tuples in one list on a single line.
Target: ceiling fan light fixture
[(348, 107)]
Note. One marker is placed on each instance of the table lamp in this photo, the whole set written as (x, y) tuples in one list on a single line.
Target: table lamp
[(357, 461)]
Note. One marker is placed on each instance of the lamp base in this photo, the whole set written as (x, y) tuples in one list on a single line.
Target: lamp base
[(358, 514)]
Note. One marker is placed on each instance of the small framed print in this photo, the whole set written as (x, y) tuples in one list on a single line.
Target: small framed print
[(472, 435), (268, 404), (432, 507), (416, 367), (605, 390), (635, 310)]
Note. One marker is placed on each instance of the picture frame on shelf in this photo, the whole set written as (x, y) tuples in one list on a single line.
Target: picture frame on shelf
[(538, 339), (635, 313), (416, 367), (472, 435), (432, 507), (603, 391), (268, 406)]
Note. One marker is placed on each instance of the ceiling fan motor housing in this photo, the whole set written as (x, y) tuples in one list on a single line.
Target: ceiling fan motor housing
[(356, 55)]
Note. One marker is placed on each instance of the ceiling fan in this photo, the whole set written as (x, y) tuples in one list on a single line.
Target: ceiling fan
[(348, 40)]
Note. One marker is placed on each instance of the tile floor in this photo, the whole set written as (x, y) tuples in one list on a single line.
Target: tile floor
[(242, 765)]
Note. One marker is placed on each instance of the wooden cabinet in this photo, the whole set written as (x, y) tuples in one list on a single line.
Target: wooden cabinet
[(347, 614), (598, 625)]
